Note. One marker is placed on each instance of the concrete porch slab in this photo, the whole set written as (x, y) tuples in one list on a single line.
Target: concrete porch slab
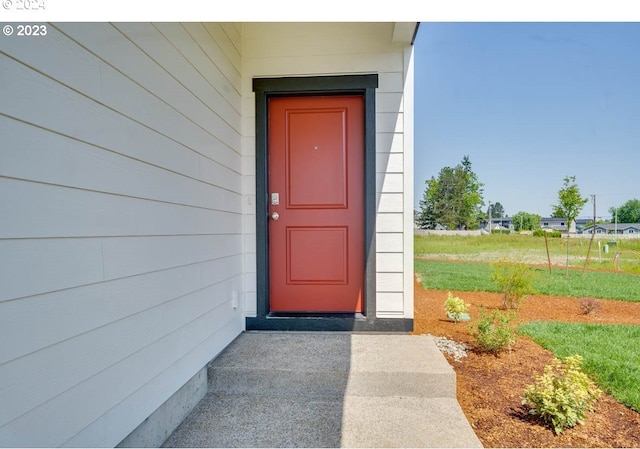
[(321, 389)]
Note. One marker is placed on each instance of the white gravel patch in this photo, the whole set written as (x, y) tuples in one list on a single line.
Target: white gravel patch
[(456, 350)]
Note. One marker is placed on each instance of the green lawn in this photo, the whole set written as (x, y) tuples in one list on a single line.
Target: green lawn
[(610, 353), (468, 276), (530, 249)]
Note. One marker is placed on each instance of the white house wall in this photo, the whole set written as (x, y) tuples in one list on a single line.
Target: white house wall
[(305, 49), (121, 231)]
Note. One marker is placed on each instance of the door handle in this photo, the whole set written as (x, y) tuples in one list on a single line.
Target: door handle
[(275, 216)]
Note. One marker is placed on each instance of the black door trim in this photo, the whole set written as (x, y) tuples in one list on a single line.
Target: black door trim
[(265, 88)]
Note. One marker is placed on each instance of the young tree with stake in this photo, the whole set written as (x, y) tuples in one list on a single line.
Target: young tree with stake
[(570, 204)]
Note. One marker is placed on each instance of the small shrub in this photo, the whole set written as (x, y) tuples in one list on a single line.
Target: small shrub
[(493, 332), (590, 305), (455, 307), (514, 280), (562, 395), (550, 234)]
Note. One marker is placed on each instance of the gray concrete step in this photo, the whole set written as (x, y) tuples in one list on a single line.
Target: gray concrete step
[(271, 389), (330, 364)]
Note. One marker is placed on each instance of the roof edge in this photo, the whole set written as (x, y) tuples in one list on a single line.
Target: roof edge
[(405, 32)]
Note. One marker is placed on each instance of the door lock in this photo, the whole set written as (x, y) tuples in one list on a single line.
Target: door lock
[(275, 199)]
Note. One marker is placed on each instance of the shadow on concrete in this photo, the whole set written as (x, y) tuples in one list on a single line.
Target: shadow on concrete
[(328, 389), (272, 390)]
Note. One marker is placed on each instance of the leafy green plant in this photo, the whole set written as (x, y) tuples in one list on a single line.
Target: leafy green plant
[(563, 394), (455, 307), (550, 234), (514, 280), (494, 332)]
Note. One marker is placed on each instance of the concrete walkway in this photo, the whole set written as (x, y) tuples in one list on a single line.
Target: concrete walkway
[(296, 389)]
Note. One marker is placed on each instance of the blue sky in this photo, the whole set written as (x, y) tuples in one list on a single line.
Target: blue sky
[(531, 103)]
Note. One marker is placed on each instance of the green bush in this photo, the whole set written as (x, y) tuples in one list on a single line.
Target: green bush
[(551, 234), (455, 306), (562, 395), (494, 332), (514, 280)]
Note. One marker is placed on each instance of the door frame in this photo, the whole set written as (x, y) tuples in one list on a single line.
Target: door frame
[(265, 88)]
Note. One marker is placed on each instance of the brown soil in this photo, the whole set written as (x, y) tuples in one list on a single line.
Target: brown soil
[(490, 387)]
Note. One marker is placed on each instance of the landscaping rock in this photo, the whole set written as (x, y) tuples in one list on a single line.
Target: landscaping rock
[(454, 349)]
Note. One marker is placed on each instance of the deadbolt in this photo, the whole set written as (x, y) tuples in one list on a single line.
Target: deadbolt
[(275, 216)]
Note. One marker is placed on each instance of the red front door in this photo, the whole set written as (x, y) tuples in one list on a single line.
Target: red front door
[(316, 195)]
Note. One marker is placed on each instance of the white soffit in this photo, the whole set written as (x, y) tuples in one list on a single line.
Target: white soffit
[(403, 32)]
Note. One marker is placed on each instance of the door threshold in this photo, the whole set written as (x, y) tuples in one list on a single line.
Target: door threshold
[(329, 315), (328, 322)]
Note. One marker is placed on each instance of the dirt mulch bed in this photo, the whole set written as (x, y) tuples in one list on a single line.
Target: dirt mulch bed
[(490, 387)]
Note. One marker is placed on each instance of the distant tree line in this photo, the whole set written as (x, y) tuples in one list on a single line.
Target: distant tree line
[(629, 212), (453, 200)]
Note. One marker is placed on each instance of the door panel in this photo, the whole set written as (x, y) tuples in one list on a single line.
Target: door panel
[(317, 255), (316, 166)]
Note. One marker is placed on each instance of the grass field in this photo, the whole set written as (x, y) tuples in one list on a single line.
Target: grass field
[(530, 249), (447, 275), (610, 353)]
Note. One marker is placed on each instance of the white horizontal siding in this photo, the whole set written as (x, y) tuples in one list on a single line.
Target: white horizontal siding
[(69, 212), (389, 304), (390, 202), (45, 156), (390, 182), (392, 81), (389, 122), (390, 162), (391, 175), (77, 359), (389, 102), (131, 256), (121, 234), (324, 64), (389, 262), (387, 143), (389, 282), (93, 306), (66, 112), (119, 418), (408, 219), (389, 222), (30, 267), (132, 367), (389, 242)]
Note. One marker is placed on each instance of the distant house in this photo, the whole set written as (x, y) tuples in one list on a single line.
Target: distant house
[(560, 224), (547, 224), (600, 229), (553, 224), (612, 228), (503, 223), (632, 229)]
